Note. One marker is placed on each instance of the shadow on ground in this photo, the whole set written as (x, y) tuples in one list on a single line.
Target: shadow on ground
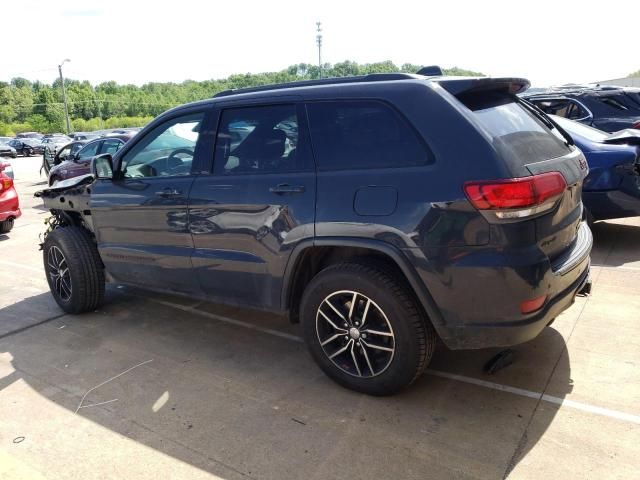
[(241, 403), (615, 244)]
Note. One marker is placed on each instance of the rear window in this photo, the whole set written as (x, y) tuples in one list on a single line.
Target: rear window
[(519, 136), (363, 134)]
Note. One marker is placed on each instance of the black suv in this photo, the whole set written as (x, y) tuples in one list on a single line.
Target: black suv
[(606, 108), (382, 212)]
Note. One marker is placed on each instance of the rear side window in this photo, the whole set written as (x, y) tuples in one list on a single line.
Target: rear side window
[(261, 139), (517, 134), (363, 134)]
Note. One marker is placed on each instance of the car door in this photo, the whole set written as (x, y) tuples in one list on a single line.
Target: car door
[(255, 206), (140, 217)]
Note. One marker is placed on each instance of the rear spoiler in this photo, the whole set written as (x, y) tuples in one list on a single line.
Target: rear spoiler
[(458, 86)]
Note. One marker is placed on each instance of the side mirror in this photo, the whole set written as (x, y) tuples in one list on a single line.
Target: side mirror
[(102, 166)]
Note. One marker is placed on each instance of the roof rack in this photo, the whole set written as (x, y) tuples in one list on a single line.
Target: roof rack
[(372, 77)]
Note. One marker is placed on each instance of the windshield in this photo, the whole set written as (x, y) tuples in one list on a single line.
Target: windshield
[(580, 129)]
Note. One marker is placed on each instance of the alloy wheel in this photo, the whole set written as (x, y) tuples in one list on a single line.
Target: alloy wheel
[(355, 334), (59, 273)]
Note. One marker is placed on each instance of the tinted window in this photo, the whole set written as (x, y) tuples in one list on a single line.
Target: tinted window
[(362, 134), (518, 135), (111, 146), (90, 150), (166, 151), (258, 140)]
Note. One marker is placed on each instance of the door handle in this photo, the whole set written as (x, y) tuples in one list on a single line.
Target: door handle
[(285, 188), (169, 193)]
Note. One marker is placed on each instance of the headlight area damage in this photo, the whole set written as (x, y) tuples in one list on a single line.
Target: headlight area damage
[(68, 202)]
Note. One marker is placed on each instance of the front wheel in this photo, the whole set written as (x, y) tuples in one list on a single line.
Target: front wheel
[(365, 330), (74, 270)]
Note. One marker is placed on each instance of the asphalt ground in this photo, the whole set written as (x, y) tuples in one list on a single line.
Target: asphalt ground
[(154, 386)]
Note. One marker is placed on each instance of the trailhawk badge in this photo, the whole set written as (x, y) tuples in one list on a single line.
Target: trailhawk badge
[(582, 162)]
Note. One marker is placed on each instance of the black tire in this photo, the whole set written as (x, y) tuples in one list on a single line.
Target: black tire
[(85, 269), (6, 226), (413, 339), (28, 152)]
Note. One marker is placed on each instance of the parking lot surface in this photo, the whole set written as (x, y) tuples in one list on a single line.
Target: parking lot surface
[(154, 386)]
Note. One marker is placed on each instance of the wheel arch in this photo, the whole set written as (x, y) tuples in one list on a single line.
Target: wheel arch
[(311, 256)]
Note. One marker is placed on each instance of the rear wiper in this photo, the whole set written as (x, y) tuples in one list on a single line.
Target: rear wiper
[(544, 118)]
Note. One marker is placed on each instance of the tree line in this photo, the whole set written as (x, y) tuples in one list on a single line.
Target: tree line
[(37, 106)]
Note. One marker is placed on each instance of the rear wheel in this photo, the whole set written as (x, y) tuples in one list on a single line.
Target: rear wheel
[(74, 270), (6, 226), (365, 330)]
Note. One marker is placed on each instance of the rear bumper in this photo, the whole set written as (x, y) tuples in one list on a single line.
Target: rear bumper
[(9, 205), (480, 307), (4, 215)]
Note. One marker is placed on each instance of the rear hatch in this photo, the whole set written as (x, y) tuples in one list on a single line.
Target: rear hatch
[(545, 169)]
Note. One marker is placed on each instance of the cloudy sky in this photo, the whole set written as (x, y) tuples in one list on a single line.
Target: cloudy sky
[(549, 42)]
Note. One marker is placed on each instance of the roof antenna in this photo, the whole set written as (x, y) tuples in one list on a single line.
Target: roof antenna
[(431, 71)]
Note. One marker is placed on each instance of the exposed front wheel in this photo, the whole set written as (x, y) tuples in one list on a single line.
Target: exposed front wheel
[(364, 329), (74, 270)]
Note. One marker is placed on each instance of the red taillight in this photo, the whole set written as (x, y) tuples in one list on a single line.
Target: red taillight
[(5, 183), (636, 125), (532, 305), (520, 195)]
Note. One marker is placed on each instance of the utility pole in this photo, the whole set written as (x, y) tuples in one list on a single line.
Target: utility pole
[(64, 95), (319, 42)]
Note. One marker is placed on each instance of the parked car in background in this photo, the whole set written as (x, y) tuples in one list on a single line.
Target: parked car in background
[(55, 156), (28, 146), (612, 188), (7, 150), (29, 135), (606, 108), (9, 203), (85, 135), (77, 163), (381, 211)]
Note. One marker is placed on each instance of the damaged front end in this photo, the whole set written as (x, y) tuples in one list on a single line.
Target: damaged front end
[(68, 202)]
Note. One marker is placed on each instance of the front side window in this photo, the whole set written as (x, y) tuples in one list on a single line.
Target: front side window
[(363, 134), (166, 151), (258, 140), (88, 151)]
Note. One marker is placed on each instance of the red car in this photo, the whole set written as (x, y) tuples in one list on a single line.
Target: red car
[(9, 204)]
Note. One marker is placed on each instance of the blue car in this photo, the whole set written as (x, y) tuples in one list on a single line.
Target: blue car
[(612, 188)]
